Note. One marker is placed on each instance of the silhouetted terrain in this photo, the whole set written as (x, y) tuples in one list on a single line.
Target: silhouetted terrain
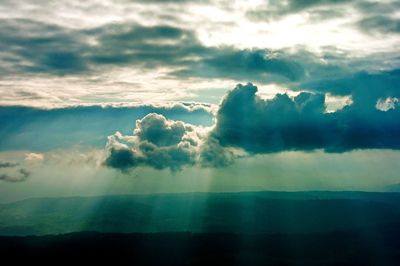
[(252, 228), (340, 248)]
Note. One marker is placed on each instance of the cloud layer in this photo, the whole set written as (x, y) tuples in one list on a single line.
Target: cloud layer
[(247, 122), (61, 53)]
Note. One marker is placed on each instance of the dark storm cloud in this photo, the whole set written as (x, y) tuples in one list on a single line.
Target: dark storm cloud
[(23, 128), (246, 121)]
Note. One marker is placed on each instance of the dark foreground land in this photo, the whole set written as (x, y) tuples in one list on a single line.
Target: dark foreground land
[(340, 248), (254, 228)]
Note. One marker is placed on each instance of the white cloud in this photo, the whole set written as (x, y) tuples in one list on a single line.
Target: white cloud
[(32, 157), (387, 104)]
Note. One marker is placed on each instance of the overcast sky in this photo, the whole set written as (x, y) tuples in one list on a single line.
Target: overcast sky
[(124, 96)]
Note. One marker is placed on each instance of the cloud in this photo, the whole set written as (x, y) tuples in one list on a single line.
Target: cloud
[(147, 46), (376, 16), (12, 175), (275, 9), (21, 175), (256, 64), (212, 154), (37, 47), (46, 61), (387, 104), (247, 121), (34, 157), (379, 24), (364, 87), (157, 142), (377, 7), (161, 46), (248, 124), (4, 164)]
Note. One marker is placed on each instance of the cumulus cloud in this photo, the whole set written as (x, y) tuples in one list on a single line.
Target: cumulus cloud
[(157, 142), (212, 154), (162, 143), (262, 126), (248, 124)]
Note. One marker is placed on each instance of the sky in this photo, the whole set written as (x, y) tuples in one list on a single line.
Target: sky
[(105, 97)]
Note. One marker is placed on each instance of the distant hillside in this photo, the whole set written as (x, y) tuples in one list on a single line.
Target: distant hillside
[(249, 213)]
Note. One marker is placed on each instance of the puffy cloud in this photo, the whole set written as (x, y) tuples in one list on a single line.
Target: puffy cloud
[(212, 154), (248, 124), (247, 121), (162, 143), (157, 142)]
